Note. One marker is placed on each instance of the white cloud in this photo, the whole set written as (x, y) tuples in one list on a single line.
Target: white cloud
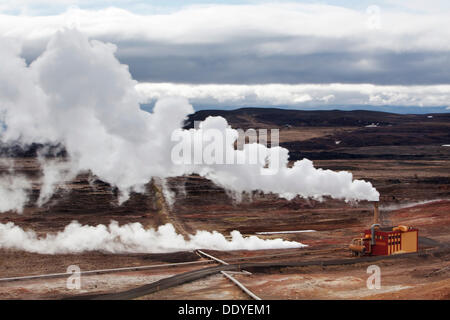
[(258, 43), (299, 95), (422, 6), (274, 26)]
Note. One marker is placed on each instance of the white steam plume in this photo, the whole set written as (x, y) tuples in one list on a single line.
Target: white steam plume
[(77, 94), (168, 194), (272, 174), (14, 191), (55, 174), (129, 238)]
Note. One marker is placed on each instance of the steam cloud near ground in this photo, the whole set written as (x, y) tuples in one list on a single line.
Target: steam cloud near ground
[(129, 238), (77, 94), (13, 192)]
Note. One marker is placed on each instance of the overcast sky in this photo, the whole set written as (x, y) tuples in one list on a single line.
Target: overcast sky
[(234, 53)]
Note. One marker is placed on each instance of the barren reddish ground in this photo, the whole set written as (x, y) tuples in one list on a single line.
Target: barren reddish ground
[(207, 207), (406, 184)]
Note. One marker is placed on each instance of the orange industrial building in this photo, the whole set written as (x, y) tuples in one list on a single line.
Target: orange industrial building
[(383, 241)]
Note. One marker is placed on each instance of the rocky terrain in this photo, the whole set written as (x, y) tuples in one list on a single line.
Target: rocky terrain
[(404, 156)]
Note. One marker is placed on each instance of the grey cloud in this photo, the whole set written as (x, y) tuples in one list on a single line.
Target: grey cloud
[(211, 65), (267, 43), (238, 63)]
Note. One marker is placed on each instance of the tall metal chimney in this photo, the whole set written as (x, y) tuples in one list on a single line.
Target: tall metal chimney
[(376, 213)]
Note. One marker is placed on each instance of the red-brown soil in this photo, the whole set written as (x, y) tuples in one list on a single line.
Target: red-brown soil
[(407, 175)]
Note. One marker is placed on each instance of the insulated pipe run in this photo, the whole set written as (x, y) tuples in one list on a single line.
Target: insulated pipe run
[(376, 213), (103, 271), (229, 276), (200, 252), (372, 233), (211, 257), (241, 286), (376, 222)]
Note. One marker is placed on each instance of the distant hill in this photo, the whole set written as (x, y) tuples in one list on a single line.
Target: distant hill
[(245, 117), (31, 150), (327, 134), (337, 134)]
